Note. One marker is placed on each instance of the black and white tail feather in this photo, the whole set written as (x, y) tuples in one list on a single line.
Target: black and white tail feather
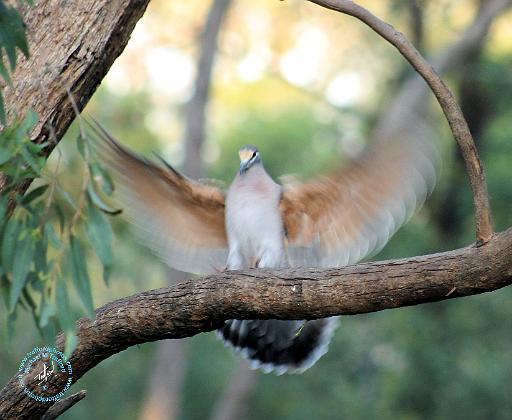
[(279, 346)]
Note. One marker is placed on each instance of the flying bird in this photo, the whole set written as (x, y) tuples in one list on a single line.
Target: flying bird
[(332, 221)]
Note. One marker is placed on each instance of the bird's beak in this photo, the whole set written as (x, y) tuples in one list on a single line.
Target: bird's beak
[(244, 165)]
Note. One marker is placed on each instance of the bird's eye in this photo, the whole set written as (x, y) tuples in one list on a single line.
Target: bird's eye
[(254, 155)]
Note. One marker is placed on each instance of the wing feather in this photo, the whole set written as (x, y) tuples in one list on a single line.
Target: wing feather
[(181, 220), (342, 218)]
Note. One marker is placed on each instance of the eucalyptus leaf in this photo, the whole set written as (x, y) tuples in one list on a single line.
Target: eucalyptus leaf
[(20, 269), (106, 182), (80, 275), (82, 146), (40, 254), (98, 202), (60, 215), (100, 235), (47, 311), (28, 124), (10, 239), (34, 194), (52, 236), (66, 319), (32, 161), (3, 119), (5, 155), (4, 72), (67, 197), (5, 287)]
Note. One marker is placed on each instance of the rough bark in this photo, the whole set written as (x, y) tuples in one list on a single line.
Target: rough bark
[(72, 45), (63, 405), (301, 293)]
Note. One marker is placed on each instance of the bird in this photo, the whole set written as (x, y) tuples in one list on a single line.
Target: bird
[(330, 221)]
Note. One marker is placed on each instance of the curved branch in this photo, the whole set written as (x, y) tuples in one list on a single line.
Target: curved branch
[(203, 304), (445, 98)]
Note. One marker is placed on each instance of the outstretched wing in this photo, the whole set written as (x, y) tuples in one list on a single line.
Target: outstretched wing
[(339, 219), (181, 220)]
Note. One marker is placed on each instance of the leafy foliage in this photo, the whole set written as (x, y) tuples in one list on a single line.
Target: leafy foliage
[(42, 251), (12, 38)]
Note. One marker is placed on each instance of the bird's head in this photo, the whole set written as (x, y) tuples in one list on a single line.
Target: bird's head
[(249, 155)]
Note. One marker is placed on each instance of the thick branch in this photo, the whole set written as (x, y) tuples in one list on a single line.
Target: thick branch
[(72, 45), (445, 98), (203, 304)]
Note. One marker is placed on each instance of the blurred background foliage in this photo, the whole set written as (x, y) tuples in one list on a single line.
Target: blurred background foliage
[(306, 86)]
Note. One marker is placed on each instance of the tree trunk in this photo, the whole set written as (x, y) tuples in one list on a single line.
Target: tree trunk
[(72, 46), (232, 405), (196, 109)]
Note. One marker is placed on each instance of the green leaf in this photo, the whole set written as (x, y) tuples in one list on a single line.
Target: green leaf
[(4, 72), (33, 194), (80, 275), (67, 197), (11, 319), (65, 316), (3, 212), (3, 119), (20, 269), (28, 124), (98, 202), (12, 33), (52, 236), (33, 161), (102, 177), (5, 287), (100, 234), (40, 254), (82, 146), (60, 215), (5, 155), (10, 239), (26, 297), (47, 312)]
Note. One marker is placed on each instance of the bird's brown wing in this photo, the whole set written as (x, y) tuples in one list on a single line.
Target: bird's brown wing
[(342, 218), (181, 220)]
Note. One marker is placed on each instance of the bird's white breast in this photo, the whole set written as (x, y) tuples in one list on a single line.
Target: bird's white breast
[(253, 221)]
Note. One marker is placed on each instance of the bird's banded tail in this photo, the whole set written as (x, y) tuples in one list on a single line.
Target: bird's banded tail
[(279, 346)]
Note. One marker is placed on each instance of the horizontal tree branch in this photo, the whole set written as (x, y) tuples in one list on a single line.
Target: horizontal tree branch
[(445, 98), (202, 305)]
